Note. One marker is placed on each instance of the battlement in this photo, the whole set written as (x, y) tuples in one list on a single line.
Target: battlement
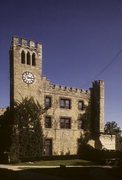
[(66, 88), (69, 89), (16, 41), (98, 83)]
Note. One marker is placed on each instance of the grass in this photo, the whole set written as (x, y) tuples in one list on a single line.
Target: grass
[(80, 173), (58, 162), (73, 173), (8, 174)]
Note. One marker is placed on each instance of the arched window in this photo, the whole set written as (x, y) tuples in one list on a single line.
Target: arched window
[(23, 57), (33, 59), (28, 58)]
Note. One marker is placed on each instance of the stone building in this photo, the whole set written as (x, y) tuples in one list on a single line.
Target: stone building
[(72, 112)]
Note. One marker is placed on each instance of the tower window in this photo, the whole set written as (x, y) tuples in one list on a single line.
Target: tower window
[(48, 122), (23, 57), (33, 59), (65, 123), (28, 58)]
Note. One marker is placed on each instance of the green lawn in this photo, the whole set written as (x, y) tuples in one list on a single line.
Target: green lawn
[(58, 162)]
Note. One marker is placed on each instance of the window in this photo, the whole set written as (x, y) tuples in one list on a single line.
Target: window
[(80, 105), (48, 101), (48, 147), (23, 57), (80, 124), (48, 122), (65, 103), (28, 58), (33, 59), (65, 123), (79, 141), (81, 119)]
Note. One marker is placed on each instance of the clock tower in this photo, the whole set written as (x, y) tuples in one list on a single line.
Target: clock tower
[(25, 69)]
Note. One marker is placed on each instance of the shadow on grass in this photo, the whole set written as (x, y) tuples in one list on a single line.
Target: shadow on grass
[(80, 173), (6, 174), (74, 173)]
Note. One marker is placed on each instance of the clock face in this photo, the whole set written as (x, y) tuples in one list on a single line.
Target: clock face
[(28, 77)]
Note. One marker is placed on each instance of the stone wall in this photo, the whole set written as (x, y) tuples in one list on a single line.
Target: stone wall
[(108, 141), (64, 141)]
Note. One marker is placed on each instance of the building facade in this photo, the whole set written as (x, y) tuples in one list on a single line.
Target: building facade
[(72, 112)]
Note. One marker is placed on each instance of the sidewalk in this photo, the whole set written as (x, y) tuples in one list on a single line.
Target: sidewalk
[(21, 167)]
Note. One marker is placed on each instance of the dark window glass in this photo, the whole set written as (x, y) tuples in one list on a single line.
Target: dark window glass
[(33, 59), (79, 141), (48, 101), (23, 57), (65, 123), (80, 124), (65, 103), (48, 122), (81, 121), (28, 58), (80, 105)]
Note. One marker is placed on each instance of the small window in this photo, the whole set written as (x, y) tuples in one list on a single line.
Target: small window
[(48, 147), (48, 122), (65, 103), (33, 59), (65, 123), (23, 57), (81, 122), (80, 105), (28, 58), (79, 142), (48, 101)]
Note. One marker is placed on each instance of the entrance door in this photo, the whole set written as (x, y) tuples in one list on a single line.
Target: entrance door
[(48, 147)]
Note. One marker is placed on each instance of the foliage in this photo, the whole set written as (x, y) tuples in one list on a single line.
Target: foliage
[(112, 128), (22, 131), (6, 124)]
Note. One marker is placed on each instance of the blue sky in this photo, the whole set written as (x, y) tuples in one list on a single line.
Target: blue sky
[(79, 37)]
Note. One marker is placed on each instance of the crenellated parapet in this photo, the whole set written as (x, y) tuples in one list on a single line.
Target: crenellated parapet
[(65, 89), (69, 89), (22, 42)]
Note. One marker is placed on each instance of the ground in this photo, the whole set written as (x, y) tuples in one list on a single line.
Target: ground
[(61, 173)]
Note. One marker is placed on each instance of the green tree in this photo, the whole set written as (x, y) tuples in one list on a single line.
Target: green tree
[(24, 136), (6, 125), (112, 128)]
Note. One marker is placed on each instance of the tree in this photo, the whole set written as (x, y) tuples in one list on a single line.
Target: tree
[(112, 128), (24, 136), (6, 124)]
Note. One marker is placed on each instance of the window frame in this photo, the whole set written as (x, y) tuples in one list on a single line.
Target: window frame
[(48, 124), (82, 107), (28, 58), (33, 59), (65, 100), (50, 102), (81, 121), (22, 57), (65, 125)]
